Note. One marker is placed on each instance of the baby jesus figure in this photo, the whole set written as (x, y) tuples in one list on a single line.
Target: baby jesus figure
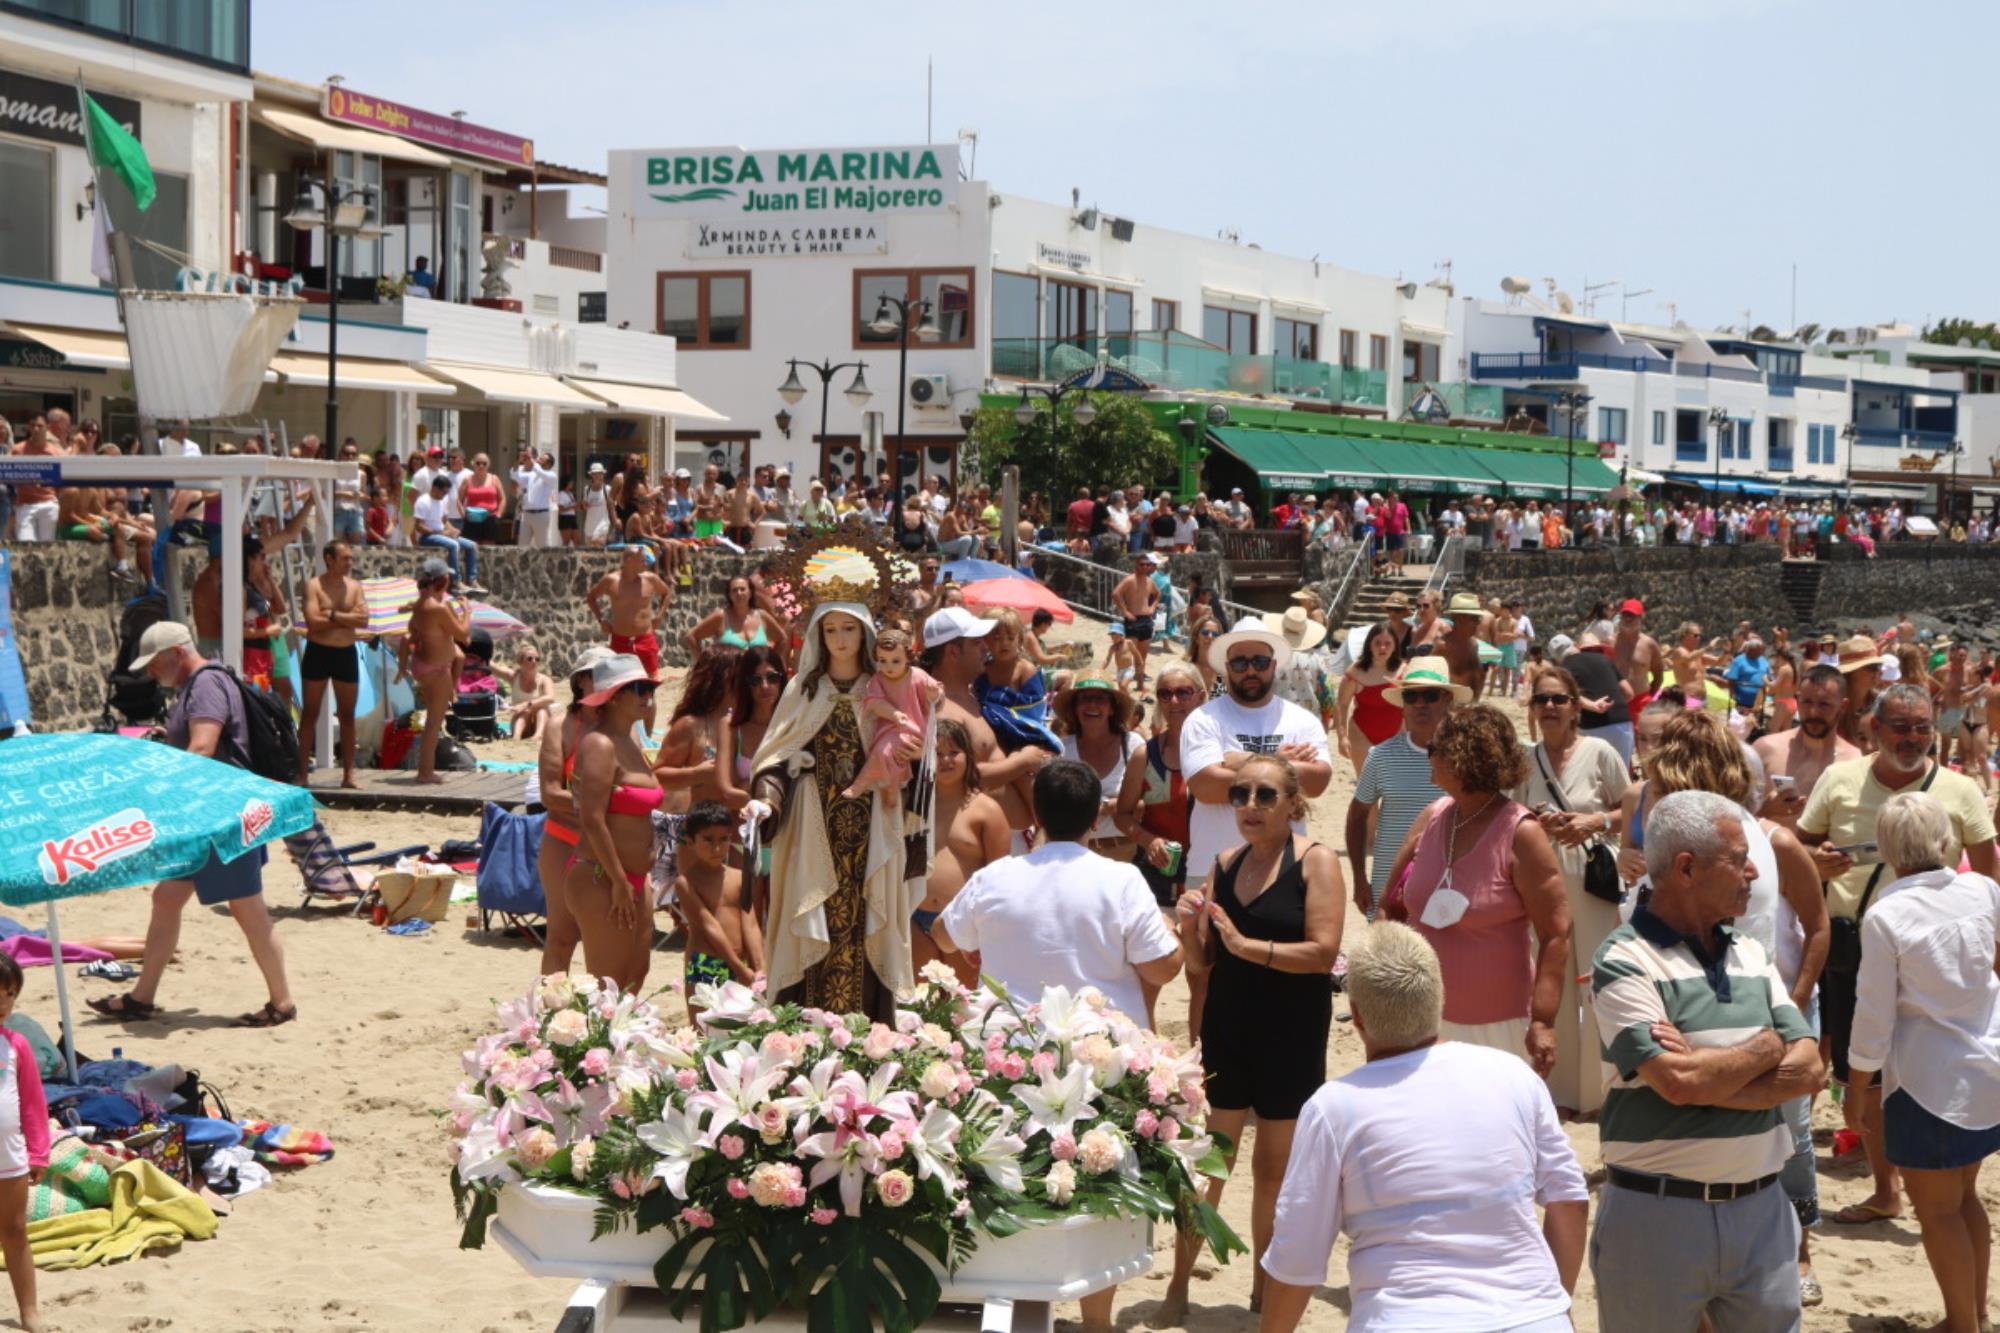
[(898, 698)]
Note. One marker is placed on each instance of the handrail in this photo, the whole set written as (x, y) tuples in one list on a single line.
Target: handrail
[(1095, 579), (1446, 565), (1348, 588)]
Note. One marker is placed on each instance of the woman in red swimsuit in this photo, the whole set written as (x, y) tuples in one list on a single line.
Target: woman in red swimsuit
[(482, 502), (1363, 719), (615, 795), (555, 765)]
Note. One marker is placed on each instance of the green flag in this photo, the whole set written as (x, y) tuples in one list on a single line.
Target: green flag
[(111, 146)]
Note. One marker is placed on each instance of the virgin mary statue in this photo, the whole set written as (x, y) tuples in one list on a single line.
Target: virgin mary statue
[(846, 873)]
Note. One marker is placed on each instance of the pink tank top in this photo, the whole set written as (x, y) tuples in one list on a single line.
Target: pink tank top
[(1486, 956)]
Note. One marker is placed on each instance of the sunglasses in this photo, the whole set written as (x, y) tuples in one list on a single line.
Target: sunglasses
[(1243, 794), (1544, 700), (1423, 697), (767, 678), (1182, 692), (643, 688), (1252, 662)]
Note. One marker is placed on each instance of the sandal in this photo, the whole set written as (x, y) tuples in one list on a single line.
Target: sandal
[(270, 1016), (124, 1008)]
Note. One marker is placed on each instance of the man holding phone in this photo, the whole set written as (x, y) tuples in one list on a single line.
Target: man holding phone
[(1838, 825), (1796, 758)]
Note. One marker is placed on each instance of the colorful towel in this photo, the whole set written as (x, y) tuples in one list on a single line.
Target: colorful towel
[(33, 951), (75, 1181), (1019, 718), (286, 1145), (147, 1210)]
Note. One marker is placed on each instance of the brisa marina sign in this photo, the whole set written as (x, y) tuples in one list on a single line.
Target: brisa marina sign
[(739, 184)]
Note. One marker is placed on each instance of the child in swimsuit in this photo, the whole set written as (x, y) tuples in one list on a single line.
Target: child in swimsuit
[(898, 700), (724, 940), (24, 1143)]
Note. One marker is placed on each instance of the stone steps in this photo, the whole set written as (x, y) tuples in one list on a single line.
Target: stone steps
[(1798, 582)]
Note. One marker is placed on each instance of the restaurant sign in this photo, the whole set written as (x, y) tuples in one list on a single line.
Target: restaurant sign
[(427, 127), (43, 109), (738, 184), (833, 234)]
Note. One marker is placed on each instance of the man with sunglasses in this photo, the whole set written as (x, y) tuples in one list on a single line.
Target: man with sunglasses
[(1247, 719), (1395, 784)]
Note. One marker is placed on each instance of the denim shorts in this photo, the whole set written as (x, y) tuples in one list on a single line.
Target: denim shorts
[(1916, 1140), (222, 881)]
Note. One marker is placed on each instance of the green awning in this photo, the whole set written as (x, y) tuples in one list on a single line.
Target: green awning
[(1301, 461), (1275, 456), (1543, 476)]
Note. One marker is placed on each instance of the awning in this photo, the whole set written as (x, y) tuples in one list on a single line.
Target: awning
[(649, 398), (345, 138), (359, 372), (1275, 456), (517, 386), (1302, 460), (1547, 476), (1732, 483), (1890, 490), (81, 347)]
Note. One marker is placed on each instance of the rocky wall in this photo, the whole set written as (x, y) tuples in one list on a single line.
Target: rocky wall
[(1952, 582), (1715, 586), (65, 608)]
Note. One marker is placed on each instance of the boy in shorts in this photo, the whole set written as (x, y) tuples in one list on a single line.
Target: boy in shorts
[(724, 940)]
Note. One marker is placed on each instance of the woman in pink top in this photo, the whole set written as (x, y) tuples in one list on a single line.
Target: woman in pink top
[(1483, 886)]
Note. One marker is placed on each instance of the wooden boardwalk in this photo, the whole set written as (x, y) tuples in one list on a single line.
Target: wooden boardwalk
[(386, 789)]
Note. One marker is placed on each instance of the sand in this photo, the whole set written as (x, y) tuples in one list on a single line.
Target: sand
[(368, 1241)]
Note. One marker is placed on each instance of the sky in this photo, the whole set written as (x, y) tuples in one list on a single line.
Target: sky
[(1699, 148)]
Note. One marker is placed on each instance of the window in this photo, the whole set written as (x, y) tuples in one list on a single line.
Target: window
[(705, 311), (1742, 433), (1611, 424), (360, 257), (948, 290), (1298, 339), (1117, 312), (27, 231), (1015, 296), (1819, 444), (1071, 313), (165, 223), (458, 240), (1690, 444), (1378, 352), (1420, 361), (1166, 316), (1659, 428), (1234, 331), (1348, 340), (1778, 443), (215, 32)]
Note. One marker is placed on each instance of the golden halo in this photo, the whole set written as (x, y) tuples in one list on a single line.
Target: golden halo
[(844, 564)]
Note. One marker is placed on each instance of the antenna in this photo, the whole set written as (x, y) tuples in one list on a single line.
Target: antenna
[(1625, 295), (971, 136), (1590, 290)]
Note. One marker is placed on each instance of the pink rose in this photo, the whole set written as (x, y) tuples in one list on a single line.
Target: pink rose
[(1063, 1147), (737, 1189), (620, 1188), (1043, 1064), (597, 1062), (895, 1188), (1145, 1122), (697, 1217), (686, 1079), (730, 1146), (1169, 1129), (795, 1197), (841, 1038), (1158, 1089), (1015, 1067), (823, 1217), (880, 1044), (1140, 1059), (892, 1145)]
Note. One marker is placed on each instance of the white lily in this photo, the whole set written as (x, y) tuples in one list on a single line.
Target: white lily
[(483, 1152), (680, 1140), (998, 1155), (934, 1143), (741, 1085), (1064, 1017), (810, 1091), (732, 999), (1191, 1150), (848, 1153), (1060, 1101)]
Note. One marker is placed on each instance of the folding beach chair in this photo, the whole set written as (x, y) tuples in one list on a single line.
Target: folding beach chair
[(508, 884), (327, 871)]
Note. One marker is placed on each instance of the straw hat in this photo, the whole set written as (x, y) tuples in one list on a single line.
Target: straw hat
[(1858, 652), (1427, 673), (1296, 628), (1465, 603), (1396, 601), (1064, 708), (1249, 632)]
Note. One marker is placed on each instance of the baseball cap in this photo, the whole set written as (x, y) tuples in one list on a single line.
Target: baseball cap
[(954, 622), (160, 636), (1151, 558), (435, 451), (1631, 606), (1560, 646), (430, 571), (596, 469), (683, 472)]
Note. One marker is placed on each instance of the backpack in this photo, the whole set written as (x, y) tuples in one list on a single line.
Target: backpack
[(135, 695), (274, 739)]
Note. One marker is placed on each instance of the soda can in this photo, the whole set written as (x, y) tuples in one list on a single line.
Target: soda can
[(1173, 867)]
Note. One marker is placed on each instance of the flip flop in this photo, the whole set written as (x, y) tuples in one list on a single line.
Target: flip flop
[(1810, 1293), (1860, 1215), (124, 1008), (270, 1016)]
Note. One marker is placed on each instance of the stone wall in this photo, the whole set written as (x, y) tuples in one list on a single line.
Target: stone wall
[(1715, 586), (1325, 569), (1949, 581), (66, 626), (544, 589)]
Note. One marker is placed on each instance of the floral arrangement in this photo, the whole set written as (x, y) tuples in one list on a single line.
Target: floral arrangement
[(799, 1158)]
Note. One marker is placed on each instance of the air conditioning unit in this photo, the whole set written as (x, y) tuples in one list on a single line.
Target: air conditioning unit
[(930, 391)]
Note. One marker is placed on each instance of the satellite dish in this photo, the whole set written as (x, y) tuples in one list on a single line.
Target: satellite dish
[(1965, 342), (1564, 303), (1517, 286)]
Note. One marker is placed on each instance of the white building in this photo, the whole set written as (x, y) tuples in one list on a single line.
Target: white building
[(751, 259), (1701, 407), (1969, 370)]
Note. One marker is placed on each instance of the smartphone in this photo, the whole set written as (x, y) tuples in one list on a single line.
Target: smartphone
[(1861, 853), (1785, 780)]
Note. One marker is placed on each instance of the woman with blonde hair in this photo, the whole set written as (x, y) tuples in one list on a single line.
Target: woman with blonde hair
[(1204, 629)]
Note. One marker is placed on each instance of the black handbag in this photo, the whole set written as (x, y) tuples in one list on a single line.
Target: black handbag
[(1600, 864)]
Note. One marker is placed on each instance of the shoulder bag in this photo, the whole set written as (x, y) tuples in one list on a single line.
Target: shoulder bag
[(1600, 864), (1843, 950)]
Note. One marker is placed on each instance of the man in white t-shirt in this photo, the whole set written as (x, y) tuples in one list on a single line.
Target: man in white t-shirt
[(534, 494), (1432, 1158), (1062, 915), (1248, 719)]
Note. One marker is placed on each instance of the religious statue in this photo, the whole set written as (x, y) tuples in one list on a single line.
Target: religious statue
[(846, 872)]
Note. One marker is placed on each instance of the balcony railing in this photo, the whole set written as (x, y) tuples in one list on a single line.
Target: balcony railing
[(565, 256), (1781, 460), (1709, 370), (1787, 385), (1177, 361), (1536, 366), (1892, 437)]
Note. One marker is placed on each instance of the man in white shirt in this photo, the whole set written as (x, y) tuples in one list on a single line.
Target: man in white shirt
[(534, 491), (1062, 915), (1248, 719), (1238, 510), (433, 467), (1431, 1157)]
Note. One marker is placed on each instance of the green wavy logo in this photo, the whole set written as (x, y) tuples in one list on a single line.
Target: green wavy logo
[(696, 196)]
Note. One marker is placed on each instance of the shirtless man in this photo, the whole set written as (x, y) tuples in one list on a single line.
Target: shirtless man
[(335, 609), (430, 656), (1137, 598), (264, 607), (1960, 700), (1906, 630), (638, 597), (742, 509), (708, 504), (972, 834), (1637, 654), (1689, 660), (1804, 752), (1460, 646), (954, 654)]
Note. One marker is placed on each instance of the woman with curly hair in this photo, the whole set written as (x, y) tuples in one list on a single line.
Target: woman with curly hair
[(1484, 887)]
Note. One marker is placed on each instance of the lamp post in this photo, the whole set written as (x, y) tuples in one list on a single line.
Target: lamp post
[(1718, 417), (346, 213), (1575, 403), (886, 324), (1025, 412), (1848, 431), (858, 393), (1951, 505)]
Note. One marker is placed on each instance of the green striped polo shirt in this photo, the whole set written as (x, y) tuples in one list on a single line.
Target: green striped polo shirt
[(1647, 972)]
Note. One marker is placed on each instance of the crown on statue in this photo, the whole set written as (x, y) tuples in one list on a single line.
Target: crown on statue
[(847, 563)]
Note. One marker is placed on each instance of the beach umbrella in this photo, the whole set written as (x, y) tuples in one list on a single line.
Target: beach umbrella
[(89, 813), (1023, 595), (971, 570), (389, 602)]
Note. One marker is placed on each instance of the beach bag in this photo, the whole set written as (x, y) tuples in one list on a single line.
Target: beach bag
[(1600, 863), (424, 893), (164, 1144), (274, 740)]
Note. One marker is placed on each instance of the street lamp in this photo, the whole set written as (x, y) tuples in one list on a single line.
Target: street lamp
[(1026, 412), (858, 392), (346, 213), (892, 319), (1718, 417), (1575, 404), (1848, 431)]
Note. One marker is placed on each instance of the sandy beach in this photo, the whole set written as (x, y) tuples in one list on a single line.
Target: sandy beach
[(368, 1241)]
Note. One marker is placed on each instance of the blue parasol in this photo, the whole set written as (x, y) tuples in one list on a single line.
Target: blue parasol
[(970, 570), (87, 813)]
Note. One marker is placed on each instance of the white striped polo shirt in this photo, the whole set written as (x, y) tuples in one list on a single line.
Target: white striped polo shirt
[(1646, 972)]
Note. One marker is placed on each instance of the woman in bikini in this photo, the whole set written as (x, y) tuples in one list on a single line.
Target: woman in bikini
[(554, 768), (739, 622), (1363, 719), (608, 887), (971, 833), (1784, 692)]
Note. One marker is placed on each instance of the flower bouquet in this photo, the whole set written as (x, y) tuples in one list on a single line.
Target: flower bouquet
[(798, 1158)]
